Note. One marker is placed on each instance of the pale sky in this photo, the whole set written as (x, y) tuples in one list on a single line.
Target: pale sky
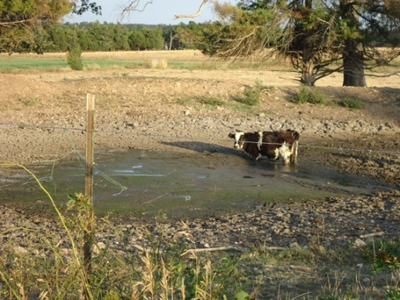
[(160, 12)]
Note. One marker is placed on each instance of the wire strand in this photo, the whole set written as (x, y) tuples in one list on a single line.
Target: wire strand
[(340, 149)]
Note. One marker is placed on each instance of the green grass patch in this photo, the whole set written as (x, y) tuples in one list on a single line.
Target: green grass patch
[(383, 255), (208, 101), (214, 102), (192, 65), (252, 94), (393, 294), (112, 63), (28, 101), (352, 103), (211, 101), (9, 64), (311, 95), (15, 63)]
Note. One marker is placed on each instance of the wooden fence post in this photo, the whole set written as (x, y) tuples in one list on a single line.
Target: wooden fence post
[(89, 146), (89, 230)]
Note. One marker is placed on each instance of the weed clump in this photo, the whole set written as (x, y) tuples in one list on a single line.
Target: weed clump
[(351, 103), (212, 101), (309, 95), (252, 94)]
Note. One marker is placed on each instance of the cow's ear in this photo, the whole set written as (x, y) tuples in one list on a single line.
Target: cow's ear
[(231, 135)]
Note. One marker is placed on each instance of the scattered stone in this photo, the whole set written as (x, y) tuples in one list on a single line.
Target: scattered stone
[(360, 243), (18, 250)]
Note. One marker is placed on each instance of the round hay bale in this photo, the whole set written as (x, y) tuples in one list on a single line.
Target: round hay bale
[(159, 63)]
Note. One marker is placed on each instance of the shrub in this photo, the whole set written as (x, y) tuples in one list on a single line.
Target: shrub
[(386, 257), (351, 103), (309, 95), (74, 58), (252, 95), (393, 294), (212, 101)]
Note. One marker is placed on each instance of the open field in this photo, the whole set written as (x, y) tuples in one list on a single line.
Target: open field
[(124, 60), (287, 251)]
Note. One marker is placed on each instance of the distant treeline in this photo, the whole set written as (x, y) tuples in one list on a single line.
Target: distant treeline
[(95, 36)]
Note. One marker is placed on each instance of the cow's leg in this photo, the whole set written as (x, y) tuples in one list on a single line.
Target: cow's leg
[(260, 140), (293, 155), (277, 153), (285, 153)]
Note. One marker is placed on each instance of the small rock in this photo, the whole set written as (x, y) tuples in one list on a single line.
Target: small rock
[(360, 243), (98, 247), (20, 250)]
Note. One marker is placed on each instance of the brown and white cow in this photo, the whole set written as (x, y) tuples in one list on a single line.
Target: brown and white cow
[(270, 144)]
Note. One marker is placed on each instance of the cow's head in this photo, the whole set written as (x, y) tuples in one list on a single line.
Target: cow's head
[(238, 137), (285, 153)]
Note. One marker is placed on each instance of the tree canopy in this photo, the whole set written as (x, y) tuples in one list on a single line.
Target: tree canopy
[(21, 20), (318, 36)]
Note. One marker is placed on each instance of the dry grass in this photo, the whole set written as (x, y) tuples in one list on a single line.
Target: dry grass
[(159, 63), (178, 55)]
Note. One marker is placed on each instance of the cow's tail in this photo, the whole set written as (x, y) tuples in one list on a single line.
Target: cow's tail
[(296, 136)]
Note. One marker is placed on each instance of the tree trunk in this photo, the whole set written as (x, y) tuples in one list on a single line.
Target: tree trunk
[(353, 64), (170, 41), (307, 74), (353, 55)]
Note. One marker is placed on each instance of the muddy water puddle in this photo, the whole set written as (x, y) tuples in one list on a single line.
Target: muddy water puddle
[(181, 186)]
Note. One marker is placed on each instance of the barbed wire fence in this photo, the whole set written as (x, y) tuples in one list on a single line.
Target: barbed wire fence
[(66, 130)]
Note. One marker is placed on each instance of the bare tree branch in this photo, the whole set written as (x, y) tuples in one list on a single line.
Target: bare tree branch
[(12, 23), (386, 75), (196, 14), (133, 6)]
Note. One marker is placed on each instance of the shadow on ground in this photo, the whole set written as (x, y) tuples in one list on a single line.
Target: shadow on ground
[(202, 147)]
